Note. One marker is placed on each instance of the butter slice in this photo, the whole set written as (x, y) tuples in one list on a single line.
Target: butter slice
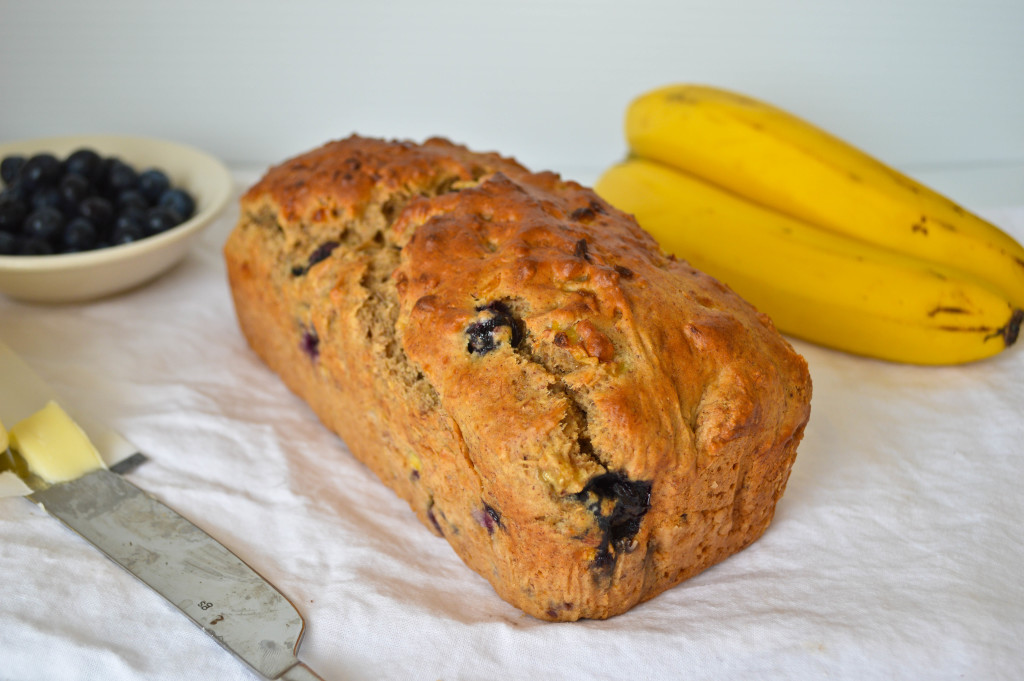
[(4, 440), (53, 446)]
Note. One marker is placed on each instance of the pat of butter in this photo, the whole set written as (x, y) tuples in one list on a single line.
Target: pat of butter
[(3, 438), (53, 446)]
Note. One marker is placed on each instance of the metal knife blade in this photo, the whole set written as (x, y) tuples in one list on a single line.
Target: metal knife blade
[(212, 586), (202, 578)]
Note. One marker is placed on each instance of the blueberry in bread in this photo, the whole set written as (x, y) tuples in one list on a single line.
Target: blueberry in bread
[(586, 420)]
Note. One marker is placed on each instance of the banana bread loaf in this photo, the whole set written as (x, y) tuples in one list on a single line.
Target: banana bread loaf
[(586, 420)]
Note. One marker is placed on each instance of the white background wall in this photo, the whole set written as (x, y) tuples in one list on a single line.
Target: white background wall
[(927, 85)]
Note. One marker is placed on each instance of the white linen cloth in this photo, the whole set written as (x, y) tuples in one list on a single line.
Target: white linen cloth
[(897, 551)]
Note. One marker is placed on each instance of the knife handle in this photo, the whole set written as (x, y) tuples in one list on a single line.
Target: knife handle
[(300, 672)]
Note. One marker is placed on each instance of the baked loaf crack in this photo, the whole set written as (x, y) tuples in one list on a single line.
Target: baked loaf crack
[(586, 420)]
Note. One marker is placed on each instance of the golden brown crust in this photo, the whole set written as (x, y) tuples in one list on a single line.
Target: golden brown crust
[(585, 419)]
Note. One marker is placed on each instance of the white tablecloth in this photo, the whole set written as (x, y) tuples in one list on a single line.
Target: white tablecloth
[(896, 553)]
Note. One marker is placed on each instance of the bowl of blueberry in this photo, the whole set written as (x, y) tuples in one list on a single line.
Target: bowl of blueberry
[(87, 216)]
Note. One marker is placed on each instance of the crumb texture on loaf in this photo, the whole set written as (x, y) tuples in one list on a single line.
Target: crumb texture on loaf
[(585, 419)]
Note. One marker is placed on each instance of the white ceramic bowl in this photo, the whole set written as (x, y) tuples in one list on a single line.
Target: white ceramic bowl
[(75, 277)]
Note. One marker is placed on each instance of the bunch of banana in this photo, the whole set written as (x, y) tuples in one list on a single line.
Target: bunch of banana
[(836, 247)]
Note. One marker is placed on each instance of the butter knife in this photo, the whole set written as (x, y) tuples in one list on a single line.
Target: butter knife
[(216, 590)]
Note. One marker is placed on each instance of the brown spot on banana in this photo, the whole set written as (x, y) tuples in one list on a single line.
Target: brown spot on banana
[(1009, 331), (974, 329), (682, 97), (947, 310), (1012, 328)]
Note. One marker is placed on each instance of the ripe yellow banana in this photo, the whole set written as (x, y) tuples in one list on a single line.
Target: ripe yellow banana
[(784, 163), (818, 285)]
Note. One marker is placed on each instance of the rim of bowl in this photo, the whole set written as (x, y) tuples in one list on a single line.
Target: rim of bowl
[(216, 202)]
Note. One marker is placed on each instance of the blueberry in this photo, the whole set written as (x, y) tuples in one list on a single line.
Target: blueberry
[(178, 200), (9, 244), (488, 517), (10, 167), (153, 183), (74, 189), (15, 192), (120, 177), (322, 252), (581, 250), (97, 210), (310, 343), (433, 518), (35, 247), (84, 162), (132, 211), (44, 224), (159, 220), (100, 180), (619, 504), (127, 228), (481, 332), (79, 235), (46, 197), (39, 171), (12, 214), (88, 201), (132, 199)]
